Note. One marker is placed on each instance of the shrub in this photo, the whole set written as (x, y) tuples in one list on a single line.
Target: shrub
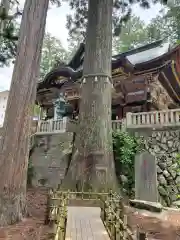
[(125, 148)]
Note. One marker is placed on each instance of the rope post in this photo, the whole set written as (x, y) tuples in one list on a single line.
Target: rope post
[(111, 222), (110, 195), (118, 225), (125, 234), (141, 235), (48, 209), (121, 216), (108, 214), (103, 206), (115, 220)]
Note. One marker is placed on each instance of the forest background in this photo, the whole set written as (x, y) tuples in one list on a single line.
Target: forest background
[(158, 22)]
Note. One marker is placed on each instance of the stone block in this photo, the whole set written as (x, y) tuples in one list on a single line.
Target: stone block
[(146, 205), (50, 158), (146, 177)]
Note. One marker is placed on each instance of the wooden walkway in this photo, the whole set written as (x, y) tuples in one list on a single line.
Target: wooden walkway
[(84, 223)]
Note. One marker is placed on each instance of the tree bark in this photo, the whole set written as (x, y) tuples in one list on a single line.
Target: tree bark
[(14, 148), (92, 165)]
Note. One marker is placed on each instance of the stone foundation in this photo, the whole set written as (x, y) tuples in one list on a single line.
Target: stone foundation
[(50, 156), (165, 145)]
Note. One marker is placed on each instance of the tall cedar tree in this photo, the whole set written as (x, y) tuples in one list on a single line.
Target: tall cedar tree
[(15, 138), (92, 166)]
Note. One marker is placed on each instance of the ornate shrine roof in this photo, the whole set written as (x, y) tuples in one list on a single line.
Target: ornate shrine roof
[(154, 57)]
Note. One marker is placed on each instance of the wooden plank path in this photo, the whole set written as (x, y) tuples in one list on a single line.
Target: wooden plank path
[(84, 223)]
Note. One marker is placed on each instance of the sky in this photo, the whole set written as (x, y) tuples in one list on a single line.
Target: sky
[(56, 25)]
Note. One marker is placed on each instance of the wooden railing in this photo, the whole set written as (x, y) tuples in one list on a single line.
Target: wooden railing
[(57, 203), (166, 118), (115, 220), (112, 214), (57, 214)]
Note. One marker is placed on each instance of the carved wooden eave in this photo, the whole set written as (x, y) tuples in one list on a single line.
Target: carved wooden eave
[(159, 95), (169, 78), (45, 97)]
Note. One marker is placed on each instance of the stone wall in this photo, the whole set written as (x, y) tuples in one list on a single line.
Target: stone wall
[(165, 145), (49, 157)]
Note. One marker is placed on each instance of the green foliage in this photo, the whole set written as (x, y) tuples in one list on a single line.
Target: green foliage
[(9, 35), (178, 170), (125, 148), (167, 23), (77, 20), (172, 20), (36, 110), (74, 41), (53, 53), (133, 34), (178, 158)]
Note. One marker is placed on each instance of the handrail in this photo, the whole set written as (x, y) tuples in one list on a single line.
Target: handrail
[(50, 126), (115, 219), (154, 119), (164, 118), (112, 213), (57, 214)]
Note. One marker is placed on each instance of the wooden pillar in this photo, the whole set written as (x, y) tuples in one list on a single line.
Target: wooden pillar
[(119, 112), (141, 236), (149, 100), (41, 113)]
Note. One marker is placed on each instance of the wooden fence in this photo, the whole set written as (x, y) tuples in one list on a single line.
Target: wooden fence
[(57, 214), (115, 220), (112, 214)]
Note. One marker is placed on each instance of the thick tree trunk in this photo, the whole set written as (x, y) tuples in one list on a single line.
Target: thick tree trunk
[(14, 147), (92, 165)]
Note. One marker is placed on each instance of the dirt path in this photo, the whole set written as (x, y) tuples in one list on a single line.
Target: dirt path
[(31, 228), (166, 228)]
